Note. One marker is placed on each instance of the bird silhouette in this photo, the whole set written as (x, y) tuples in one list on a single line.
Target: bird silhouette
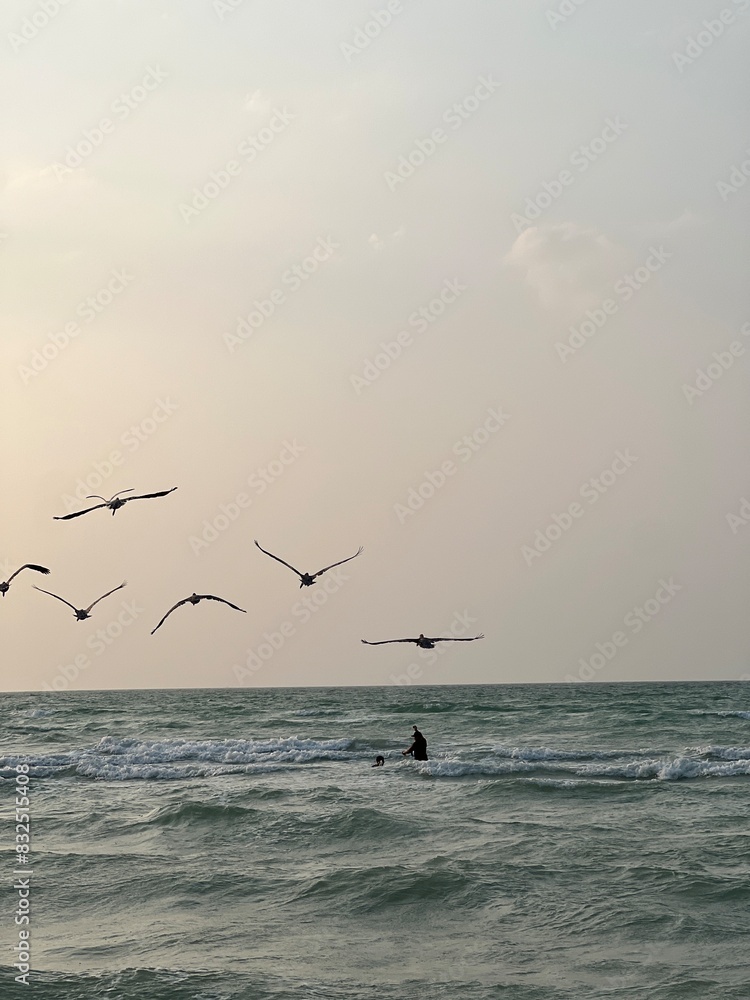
[(5, 585), (308, 579), (196, 599), (114, 503), (424, 642), (82, 613)]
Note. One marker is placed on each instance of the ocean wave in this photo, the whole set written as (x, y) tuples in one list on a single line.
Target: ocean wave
[(671, 769), (204, 984), (721, 714), (372, 889), (304, 712), (723, 753), (224, 751), (123, 758), (532, 754), (668, 770), (425, 708), (123, 771), (436, 768), (359, 823), (353, 823), (576, 783), (673, 877), (191, 812)]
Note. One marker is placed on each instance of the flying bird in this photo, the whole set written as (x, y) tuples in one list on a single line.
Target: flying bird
[(196, 599), (5, 585), (424, 642), (81, 613), (308, 579), (114, 503)]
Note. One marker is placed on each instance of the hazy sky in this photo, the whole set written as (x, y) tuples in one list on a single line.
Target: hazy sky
[(438, 279)]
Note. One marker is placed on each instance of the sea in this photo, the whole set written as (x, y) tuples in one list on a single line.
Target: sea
[(562, 842)]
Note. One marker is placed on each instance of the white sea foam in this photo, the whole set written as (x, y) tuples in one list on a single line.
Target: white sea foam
[(118, 758), (668, 770), (122, 758), (438, 768), (720, 714), (723, 753), (549, 753), (304, 712), (217, 750), (661, 769), (564, 782), (154, 772)]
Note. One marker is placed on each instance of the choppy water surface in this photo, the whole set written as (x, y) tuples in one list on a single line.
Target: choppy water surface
[(562, 842)]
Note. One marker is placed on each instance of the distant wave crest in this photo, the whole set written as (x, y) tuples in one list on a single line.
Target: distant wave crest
[(720, 714)]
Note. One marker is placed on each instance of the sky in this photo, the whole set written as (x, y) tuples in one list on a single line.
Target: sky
[(461, 283)]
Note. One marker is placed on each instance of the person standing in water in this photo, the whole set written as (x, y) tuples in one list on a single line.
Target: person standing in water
[(418, 747)]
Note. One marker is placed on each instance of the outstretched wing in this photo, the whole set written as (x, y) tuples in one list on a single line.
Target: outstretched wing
[(454, 638), (123, 584), (148, 496), (339, 563), (279, 560), (173, 608), (55, 595), (67, 517), (210, 597), (384, 641), (39, 569), (114, 495)]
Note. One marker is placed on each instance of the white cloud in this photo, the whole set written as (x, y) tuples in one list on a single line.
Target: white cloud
[(687, 219), (378, 242), (257, 103), (567, 266)]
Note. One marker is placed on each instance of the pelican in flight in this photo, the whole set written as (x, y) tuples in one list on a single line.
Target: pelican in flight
[(81, 613), (423, 642), (196, 599), (5, 585), (308, 579), (114, 503)]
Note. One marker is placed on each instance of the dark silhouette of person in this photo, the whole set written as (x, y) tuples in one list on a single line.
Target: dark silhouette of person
[(379, 761), (418, 747)]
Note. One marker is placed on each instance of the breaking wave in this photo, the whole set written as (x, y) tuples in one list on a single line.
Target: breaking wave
[(123, 758), (578, 765)]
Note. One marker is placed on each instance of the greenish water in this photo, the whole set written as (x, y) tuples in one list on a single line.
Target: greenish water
[(563, 841)]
